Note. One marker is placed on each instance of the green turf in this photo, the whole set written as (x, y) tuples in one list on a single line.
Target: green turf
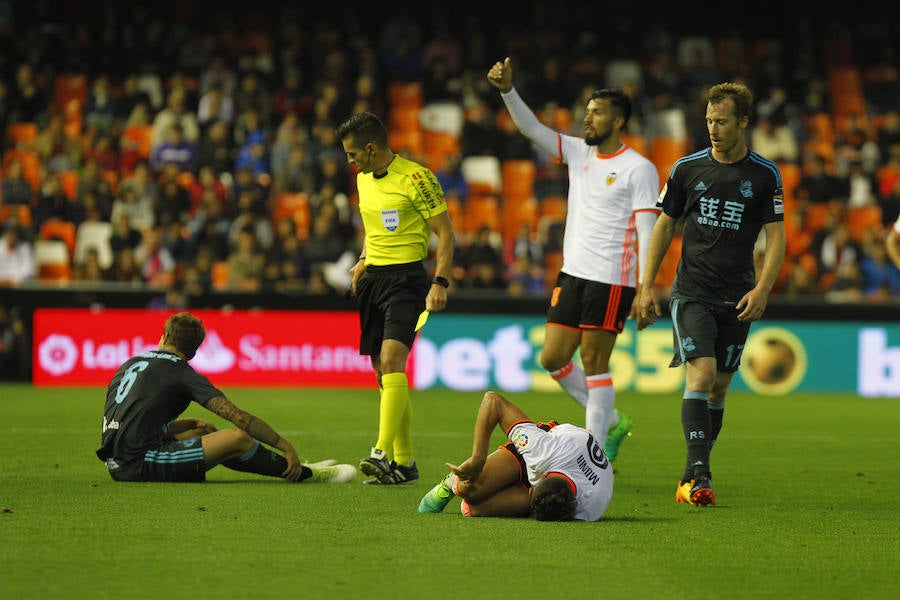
[(807, 488)]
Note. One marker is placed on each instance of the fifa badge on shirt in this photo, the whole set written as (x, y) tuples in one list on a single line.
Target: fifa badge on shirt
[(390, 218)]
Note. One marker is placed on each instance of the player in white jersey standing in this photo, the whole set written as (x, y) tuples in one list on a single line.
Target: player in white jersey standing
[(553, 472), (611, 204)]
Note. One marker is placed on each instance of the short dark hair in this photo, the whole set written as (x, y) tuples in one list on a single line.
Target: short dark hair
[(619, 99), (185, 332), (552, 499), (738, 92), (365, 128)]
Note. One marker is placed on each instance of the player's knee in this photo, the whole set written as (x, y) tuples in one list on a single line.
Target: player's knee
[(240, 440)]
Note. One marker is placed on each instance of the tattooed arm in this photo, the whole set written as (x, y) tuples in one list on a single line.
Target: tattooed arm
[(254, 426)]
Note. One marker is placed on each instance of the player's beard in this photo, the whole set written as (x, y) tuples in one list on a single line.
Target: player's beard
[(595, 139)]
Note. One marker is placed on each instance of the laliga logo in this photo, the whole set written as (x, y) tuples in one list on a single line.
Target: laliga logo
[(58, 354), (212, 355)]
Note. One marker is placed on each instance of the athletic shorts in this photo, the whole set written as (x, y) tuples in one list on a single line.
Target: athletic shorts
[(584, 304), (390, 299), (702, 330), (176, 461)]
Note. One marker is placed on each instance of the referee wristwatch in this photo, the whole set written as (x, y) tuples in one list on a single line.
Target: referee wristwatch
[(442, 281)]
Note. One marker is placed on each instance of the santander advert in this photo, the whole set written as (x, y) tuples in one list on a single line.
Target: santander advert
[(266, 348)]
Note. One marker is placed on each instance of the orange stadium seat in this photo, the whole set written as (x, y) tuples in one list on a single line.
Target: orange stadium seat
[(401, 93), (437, 146), (142, 136), (21, 134), (410, 140), (518, 176), (554, 208), (515, 213), (52, 260), (220, 275), (664, 151), (636, 141), (861, 218), (20, 212), (69, 86), (553, 262), (404, 117), (31, 165), (295, 206), (819, 125), (818, 215), (481, 211), (68, 181), (56, 229)]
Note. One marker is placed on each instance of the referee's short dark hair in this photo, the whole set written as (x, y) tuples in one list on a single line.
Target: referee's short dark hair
[(618, 98), (185, 332), (364, 128)]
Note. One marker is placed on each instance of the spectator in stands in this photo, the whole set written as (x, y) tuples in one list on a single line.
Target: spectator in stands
[(479, 136), (15, 188), (89, 269), (173, 203), (775, 142), (888, 134), (90, 180), (214, 106), (130, 97), (861, 187), (57, 151), (16, 256), (451, 178), (15, 345), (817, 185), (175, 150), (298, 173), (254, 155), (249, 216), (100, 104), (100, 147), (124, 234), (28, 102), (324, 244), (880, 277), (209, 227), (800, 282), (216, 149), (254, 96), (126, 269), (154, 260), (51, 203), (246, 261), (175, 111), (247, 185), (207, 180)]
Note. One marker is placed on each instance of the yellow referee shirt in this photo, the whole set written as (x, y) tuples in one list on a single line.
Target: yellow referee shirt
[(394, 208)]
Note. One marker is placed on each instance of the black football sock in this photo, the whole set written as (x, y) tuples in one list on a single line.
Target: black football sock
[(263, 461), (716, 414), (695, 423)]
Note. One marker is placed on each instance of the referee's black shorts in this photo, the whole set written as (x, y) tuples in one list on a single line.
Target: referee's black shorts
[(391, 298)]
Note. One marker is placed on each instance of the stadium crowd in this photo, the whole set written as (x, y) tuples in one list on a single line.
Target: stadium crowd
[(191, 149)]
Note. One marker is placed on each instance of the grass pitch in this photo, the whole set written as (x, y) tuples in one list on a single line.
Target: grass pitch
[(807, 491)]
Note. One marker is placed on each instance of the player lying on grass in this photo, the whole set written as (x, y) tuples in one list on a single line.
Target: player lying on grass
[(553, 472), (143, 439)]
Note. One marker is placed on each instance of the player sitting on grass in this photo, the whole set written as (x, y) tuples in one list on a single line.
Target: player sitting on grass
[(143, 439), (554, 472)]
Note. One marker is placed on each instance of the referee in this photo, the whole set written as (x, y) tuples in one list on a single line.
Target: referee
[(401, 203)]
